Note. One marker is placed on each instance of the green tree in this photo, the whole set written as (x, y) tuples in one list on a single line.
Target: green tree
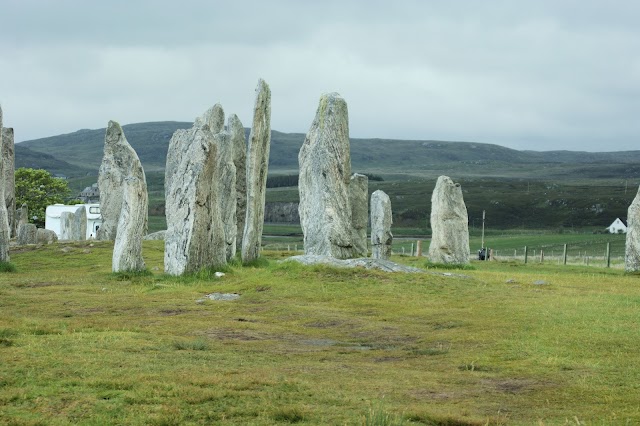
[(38, 189)]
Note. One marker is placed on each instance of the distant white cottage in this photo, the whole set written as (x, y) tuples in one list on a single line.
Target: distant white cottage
[(617, 227)]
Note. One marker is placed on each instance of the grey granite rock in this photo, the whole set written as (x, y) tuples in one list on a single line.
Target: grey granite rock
[(359, 199), (381, 220), (325, 172), (195, 235), (632, 245), (257, 168), (27, 234), (8, 170), (5, 233), (46, 236), (118, 161), (66, 226), (79, 225), (449, 224), (213, 118), (363, 262), (238, 140), (132, 223), (159, 235)]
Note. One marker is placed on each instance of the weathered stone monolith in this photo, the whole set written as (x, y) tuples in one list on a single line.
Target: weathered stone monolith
[(227, 192), (325, 171), (449, 224), (238, 140), (132, 224), (195, 235), (213, 118), (46, 236), (27, 234), (23, 215), (632, 245), (79, 225), (67, 220), (257, 168), (381, 220), (358, 195), (8, 170), (5, 234), (118, 161)]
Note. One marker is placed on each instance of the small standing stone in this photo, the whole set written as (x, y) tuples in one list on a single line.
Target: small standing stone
[(632, 244), (381, 220), (358, 194), (66, 226), (79, 231), (257, 168), (46, 236), (325, 171), (132, 224), (8, 169), (23, 215), (449, 224), (27, 234)]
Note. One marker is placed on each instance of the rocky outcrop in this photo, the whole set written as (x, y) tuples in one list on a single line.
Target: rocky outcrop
[(449, 224), (632, 245), (359, 198), (132, 224), (8, 170), (118, 162), (238, 140), (27, 234), (5, 233), (381, 219), (257, 168), (46, 236), (195, 235), (325, 171)]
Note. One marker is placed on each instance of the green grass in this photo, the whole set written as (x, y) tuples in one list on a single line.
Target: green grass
[(315, 345), (7, 267)]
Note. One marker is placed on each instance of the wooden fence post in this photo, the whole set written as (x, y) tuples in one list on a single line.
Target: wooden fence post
[(525, 254), (418, 248), (564, 255), (608, 255), (541, 256)]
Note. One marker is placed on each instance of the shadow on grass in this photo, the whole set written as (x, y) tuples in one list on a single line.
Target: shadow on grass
[(7, 267)]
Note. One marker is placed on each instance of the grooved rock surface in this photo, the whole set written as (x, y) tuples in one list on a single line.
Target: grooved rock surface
[(358, 195), (79, 225), (325, 171), (257, 168), (46, 236), (632, 245), (132, 223), (238, 140), (449, 224), (381, 220), (118, 161), (27, 234), (195, 235), (7, 155), (5, 233)]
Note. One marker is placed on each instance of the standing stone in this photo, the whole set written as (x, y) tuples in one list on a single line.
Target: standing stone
[(67, 220), (118, 162), (27, 234), (213, 118), (132, 224), (632, 245), (46, 236), (5, 234), (8, 169), (238, 140), (23, 215), (79, 225), (381, 220), (358, 195), (195, 235), (257, 168), (325, 169), (449, 224), (227, 191)]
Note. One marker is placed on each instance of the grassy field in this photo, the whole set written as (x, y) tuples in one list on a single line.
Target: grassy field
[(506, 343)]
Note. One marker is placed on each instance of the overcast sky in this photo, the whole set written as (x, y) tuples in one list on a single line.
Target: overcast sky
[(539, 74)]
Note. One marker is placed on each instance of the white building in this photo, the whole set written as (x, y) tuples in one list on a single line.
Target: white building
[(617, 227), (52, 217)]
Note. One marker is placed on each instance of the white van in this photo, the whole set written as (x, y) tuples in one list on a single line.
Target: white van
[(52, 217)]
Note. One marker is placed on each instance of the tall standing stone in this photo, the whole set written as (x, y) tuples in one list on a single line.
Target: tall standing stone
[(118, 162), (632, 245), (227, 191), (238, 140), (381, 220), (195, 235), (79, 225), (325, 169), (8, 169), (132, 224), (449, 224), (4, 218), (67, 220), (358, 195), (257, 168)]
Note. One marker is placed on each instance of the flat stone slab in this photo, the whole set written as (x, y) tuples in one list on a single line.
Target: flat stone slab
[(220, 296), (365, 262)]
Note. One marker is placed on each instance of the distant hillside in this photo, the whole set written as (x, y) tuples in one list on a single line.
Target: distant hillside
[(26, 157), (82, 150)]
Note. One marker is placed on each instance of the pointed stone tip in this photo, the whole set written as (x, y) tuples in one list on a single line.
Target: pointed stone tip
[(112, 124), (262, 85)]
